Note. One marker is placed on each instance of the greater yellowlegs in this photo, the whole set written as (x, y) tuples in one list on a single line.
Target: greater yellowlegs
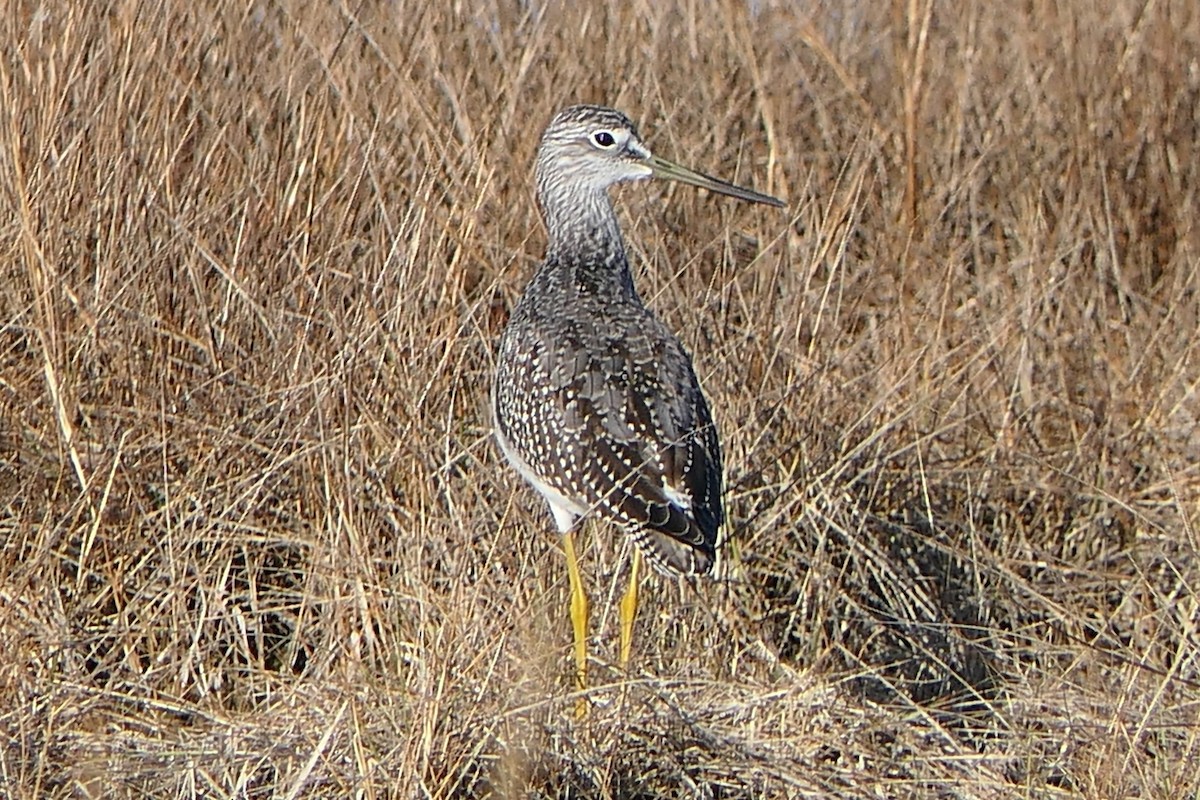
[(596, 403)]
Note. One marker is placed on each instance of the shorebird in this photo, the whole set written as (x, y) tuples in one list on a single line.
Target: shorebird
[(595, 401)]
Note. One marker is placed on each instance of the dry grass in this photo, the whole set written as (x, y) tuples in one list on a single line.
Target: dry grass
[(256, 540)]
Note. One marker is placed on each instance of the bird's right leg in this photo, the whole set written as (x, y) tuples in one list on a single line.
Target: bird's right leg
[(629, 604)]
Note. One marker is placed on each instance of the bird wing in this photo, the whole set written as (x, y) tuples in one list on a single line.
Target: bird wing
[(652, 459)]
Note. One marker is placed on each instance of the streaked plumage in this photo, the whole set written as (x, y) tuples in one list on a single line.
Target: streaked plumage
[(596, 403)]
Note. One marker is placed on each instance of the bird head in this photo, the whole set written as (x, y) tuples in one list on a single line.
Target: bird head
[(589, 148)]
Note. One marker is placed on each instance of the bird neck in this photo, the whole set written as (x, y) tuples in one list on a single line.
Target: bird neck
[(585, 238)]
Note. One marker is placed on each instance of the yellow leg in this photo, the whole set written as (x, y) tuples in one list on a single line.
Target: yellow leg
[(629, 603), (579, 616)]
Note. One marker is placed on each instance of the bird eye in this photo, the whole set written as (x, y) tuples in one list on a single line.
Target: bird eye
[(604, 139)]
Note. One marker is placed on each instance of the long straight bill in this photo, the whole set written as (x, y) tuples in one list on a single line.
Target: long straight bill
[(661, 168)]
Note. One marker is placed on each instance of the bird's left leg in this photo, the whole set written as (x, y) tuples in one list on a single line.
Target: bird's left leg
[(579, 617)]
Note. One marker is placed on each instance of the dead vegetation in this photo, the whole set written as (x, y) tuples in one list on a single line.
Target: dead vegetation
[(255, 540)]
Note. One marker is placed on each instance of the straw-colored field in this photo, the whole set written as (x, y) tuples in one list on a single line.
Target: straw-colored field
[(256, 540)]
